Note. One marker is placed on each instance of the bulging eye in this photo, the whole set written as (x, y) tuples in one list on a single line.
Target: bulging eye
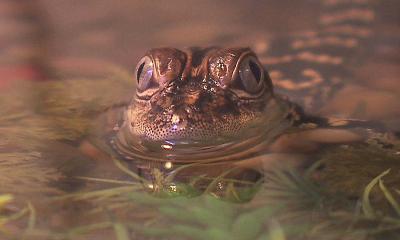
[(144, 73), (250, 75)]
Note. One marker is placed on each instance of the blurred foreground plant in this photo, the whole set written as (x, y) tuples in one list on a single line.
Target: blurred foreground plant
[(288, 205)]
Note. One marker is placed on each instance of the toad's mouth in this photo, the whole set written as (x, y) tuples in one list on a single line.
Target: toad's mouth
[(200, 104), (197, 130), (202, 128), (188, 151), (200, 141)]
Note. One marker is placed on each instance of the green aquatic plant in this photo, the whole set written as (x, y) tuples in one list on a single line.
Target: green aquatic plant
[(366, 204), (25, 172), (207, 217), (339, 201), (348, 169), (318, 204), (288, 205), (4, 199), (60, 110), (27, 213)]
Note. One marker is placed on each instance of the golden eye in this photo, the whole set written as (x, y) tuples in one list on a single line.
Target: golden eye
[(144, 73), (250, 75)]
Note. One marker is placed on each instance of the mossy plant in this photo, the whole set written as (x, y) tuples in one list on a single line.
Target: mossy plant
[(348, 169), (288, 205), (353, 195)]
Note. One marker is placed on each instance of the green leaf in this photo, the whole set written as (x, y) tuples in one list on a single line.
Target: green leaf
[(177, 214), (275, 231), (121, 232), (126, 170), (209, 218), (189, 231), (389, 197), (264, 237), (32, 217), (218, 234), (248, 225), (220, 207), (4, 199), (366, 204), (160, 232)]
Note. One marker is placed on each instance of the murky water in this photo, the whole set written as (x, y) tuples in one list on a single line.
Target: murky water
[(61, 178)]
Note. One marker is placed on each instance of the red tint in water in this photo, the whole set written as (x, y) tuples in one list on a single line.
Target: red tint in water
[(10, 74)]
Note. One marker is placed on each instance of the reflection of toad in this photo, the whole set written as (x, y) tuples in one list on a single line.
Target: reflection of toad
[(215, 104)]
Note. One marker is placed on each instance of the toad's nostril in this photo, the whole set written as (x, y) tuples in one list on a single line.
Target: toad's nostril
[(192, 98)]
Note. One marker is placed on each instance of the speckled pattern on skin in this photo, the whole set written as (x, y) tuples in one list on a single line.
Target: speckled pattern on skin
[(197, 95), (201, 99)]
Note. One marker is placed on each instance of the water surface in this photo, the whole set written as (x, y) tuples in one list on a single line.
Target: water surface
[(63, 188)]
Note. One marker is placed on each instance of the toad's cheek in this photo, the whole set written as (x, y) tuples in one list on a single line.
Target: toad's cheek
[(194, 129)]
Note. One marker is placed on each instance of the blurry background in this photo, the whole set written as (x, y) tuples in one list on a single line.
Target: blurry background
[(54, 40), (46, 39)]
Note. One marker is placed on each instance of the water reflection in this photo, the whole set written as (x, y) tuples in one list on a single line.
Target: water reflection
[(58, 165), (225, 180)]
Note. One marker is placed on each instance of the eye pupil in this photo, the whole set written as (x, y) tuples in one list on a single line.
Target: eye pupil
[(144, 73), (139, 71), (255, 70), (250, 76)]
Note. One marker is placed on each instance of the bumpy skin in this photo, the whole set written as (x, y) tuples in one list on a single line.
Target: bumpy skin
[(198, 95), (194, 96), (207, 104), (212, 105)]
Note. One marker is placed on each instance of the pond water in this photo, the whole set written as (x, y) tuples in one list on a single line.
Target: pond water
[(67, 77)]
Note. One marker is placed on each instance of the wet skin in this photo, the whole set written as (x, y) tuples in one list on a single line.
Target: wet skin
[(198, 94), (213, 98), (211, 105), (216, 109), (203, 98)]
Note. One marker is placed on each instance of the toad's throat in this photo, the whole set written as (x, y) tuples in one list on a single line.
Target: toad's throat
[(178, 126), (201, 100), (195, 145)]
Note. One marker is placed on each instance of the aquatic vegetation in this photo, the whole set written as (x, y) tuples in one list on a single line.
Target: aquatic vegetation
[(351, 194), (348, 169), (60, 110), (4, 199), (25, 173), (8, 216), (366, 204), (340, 198), (288, 205)]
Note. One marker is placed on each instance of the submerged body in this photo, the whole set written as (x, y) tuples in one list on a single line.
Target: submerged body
[(205, 105), (200, 99), (216, 110), (190, 121), (212, 104), (189, 101)]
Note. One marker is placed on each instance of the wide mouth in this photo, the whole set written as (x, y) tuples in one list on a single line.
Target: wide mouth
[(200, 128), (201, 136), (189, 150), (182, 151), (251, 140)]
